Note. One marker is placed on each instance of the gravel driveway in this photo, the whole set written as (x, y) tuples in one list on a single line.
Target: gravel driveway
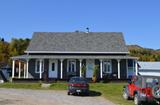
[(47, 97)]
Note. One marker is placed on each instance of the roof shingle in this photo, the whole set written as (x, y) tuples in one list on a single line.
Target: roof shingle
[(78, 42)]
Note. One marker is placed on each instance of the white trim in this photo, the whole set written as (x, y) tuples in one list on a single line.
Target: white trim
[(61, 68), (101, 68), (119, 68), (80, 66), (40, 69), (24, 71), (36, 62), (13, 68), (110, 65), (136, 67), (19, 70), (76, 52), (27, 65), (68, 64)]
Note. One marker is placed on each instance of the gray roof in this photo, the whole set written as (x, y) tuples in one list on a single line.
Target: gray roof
[(72, 57), (149, 65), (103, 42)]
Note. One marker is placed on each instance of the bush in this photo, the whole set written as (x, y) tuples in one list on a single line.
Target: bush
[(95, 73), (83, 70)]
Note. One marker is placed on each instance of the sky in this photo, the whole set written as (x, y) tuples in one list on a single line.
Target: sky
[(139, 20)]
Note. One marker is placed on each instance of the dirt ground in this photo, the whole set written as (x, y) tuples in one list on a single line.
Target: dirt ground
[(47, 97)]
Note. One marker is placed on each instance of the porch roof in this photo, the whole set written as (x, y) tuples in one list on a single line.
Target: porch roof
[(73, 57)]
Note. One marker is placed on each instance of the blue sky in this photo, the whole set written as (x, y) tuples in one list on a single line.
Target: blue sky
[(139, 20)]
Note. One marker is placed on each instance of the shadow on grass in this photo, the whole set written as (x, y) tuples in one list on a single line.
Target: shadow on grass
[(91, 94), (150, 103), (144, 103), (94, 93)]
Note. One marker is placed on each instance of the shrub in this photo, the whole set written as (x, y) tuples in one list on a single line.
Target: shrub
[(95, 73)]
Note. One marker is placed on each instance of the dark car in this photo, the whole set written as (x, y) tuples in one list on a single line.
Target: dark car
[(143, 89), (78, 85)]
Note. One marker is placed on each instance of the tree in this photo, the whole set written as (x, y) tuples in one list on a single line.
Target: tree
[(18, 46), (14, 48), (4, 53)]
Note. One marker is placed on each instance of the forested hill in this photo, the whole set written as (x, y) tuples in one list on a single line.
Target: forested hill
[(144, 54)]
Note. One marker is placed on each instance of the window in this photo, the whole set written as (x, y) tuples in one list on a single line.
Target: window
[(37, 66), (53, 66), (130, 63), (107, 66), (138, 82), (71, 65)]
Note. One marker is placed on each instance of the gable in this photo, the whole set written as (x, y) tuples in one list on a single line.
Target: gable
[(77, 42)]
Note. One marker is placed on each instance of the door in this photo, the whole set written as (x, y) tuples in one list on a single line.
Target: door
[(52, 69), (89, 68)]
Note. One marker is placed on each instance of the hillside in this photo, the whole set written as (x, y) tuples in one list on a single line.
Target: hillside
[(144, 54)]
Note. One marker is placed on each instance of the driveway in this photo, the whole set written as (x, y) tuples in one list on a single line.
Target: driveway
[(47, 97)]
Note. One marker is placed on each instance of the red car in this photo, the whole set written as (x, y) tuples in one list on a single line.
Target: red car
[(143, 89)]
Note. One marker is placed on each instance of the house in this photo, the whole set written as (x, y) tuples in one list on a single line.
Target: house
[(59, 55), (149, 68), (5, 73)]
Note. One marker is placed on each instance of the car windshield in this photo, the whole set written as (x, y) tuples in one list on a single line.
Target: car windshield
[(151, 81), (78, 80)]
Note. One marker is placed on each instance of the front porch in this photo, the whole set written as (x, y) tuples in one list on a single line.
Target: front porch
[(63, 67)]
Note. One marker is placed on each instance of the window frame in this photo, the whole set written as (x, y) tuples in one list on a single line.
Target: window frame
[(68, 61), (105, 62), (36, 65), (53, 69)]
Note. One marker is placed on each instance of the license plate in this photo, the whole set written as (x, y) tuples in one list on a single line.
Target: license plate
[(78, 90)]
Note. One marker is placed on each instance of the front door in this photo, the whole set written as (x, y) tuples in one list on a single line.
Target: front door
[(89, 68), (52, 69)]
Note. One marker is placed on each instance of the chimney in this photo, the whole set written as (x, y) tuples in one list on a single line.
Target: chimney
[(87, 30)]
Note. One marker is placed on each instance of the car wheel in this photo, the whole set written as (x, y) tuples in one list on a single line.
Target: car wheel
[(69, 93), (136, 100), (156, 91), (125, 95), (87, 93)]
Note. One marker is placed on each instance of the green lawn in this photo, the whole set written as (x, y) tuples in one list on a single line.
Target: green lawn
[(21, 85), (111, 91)]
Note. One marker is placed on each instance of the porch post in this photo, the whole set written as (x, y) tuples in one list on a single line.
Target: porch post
[(119, 74), (24, 70), (136, 67), (13, 68), (101, 69), (40, 69), (27, 68), (19, 70), (80, 66), (61, 68)]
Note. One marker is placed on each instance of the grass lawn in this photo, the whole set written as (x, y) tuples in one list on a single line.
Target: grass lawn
[(111, 91), (21, 85)]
